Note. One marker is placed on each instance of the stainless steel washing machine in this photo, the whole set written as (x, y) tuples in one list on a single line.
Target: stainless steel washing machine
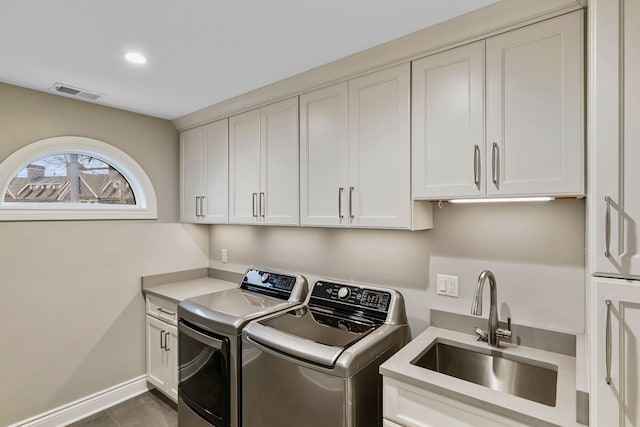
[(209, 343), (317, 365)]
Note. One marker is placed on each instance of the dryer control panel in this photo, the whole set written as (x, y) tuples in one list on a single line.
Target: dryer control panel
[(269, 283)]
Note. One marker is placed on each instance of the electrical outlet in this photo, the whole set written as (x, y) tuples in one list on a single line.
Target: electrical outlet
[(447, 285), (223, 256)]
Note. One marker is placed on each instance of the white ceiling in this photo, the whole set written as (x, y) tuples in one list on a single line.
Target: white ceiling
[(200, 52)]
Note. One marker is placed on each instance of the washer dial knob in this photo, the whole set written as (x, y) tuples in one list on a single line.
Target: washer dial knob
[(265, 277), (343, 293)]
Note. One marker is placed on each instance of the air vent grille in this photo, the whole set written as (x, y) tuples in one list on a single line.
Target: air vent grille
[(74, 91)]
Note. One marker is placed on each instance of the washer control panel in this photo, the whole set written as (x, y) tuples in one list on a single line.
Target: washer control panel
[(355, 297)]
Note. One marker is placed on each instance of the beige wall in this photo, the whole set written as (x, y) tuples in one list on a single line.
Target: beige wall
[(535, 250), (70, 304)]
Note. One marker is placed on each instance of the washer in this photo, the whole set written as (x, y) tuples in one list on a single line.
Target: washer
[(317, 365), (209, 342)]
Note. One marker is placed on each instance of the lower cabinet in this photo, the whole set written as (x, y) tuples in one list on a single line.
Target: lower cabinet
[(162, 356), (407, 406), (615, 353)]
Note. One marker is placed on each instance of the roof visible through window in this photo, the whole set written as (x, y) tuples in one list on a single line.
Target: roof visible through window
[(69, 178)]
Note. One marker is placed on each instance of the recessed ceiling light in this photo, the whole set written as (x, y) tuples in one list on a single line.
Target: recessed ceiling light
[(135, 57)]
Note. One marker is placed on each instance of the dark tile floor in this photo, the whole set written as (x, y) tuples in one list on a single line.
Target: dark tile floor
[(150, 409)]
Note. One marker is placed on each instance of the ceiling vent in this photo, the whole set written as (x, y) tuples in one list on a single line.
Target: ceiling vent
[(75, 92)]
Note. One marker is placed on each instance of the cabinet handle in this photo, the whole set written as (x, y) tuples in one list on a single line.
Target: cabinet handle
[(165, 311), (476, 165), (197, 211), (351, 203), (494, 163), (262, 207), (255, 199), (162, 339), (340, 190), (166, 337), (607, 226), (607, 343), (200, 211)]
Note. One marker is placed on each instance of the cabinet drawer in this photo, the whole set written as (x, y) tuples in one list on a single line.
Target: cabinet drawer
[(415, 407), (162, 309)]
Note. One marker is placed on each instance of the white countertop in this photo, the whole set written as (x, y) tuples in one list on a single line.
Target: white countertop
[(399, 367), (179, 291)]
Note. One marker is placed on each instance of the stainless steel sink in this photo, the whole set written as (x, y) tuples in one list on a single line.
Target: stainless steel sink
[(494, 369)]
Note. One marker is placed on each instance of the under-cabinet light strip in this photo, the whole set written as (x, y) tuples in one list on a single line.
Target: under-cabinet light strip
[(503, 200)]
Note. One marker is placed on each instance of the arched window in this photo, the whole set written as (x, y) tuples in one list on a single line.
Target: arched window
[(73, 177)]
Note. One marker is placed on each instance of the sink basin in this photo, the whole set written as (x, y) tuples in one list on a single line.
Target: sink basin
[(524, 378)]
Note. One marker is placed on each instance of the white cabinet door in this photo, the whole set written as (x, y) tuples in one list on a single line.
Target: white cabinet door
[(204, 191), (244, 167), (379, 192), (162, 356), (615, 403), (615, 136), (279, 191), (171, 348), (215, 204), (324, 157), (192, 167), (448, 124), (535, 137), (158, 360)]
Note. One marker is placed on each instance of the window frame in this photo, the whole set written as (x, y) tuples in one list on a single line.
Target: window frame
[(146, 206)]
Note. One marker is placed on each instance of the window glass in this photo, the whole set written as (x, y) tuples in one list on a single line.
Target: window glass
[(74, 178), (70, 178)]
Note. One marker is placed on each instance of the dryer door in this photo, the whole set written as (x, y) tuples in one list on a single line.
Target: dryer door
[(204, 385)]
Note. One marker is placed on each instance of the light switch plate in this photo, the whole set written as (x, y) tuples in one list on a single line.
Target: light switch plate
[(447, 285)]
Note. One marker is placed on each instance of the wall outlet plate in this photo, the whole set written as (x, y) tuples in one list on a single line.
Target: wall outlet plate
[(447, 285), (223, 256)]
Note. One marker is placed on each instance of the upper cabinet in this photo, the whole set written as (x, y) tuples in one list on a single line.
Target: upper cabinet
[(204, 174), (535, 109), (499, 117), (448, 124), (530, 140), (263, 165), (244, 170), (615, 137), (356, 156), (324, 155)]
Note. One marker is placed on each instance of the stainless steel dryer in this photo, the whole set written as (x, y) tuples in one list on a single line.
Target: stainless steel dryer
[(209, 343), (317, 365)]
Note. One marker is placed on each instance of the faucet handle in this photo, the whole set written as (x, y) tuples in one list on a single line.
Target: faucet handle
[(505, 333), (482, 335)]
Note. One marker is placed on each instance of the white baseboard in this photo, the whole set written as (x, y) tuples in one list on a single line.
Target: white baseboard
[(89, 405)]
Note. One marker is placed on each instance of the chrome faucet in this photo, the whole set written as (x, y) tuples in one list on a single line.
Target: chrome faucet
[(494, 332)]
